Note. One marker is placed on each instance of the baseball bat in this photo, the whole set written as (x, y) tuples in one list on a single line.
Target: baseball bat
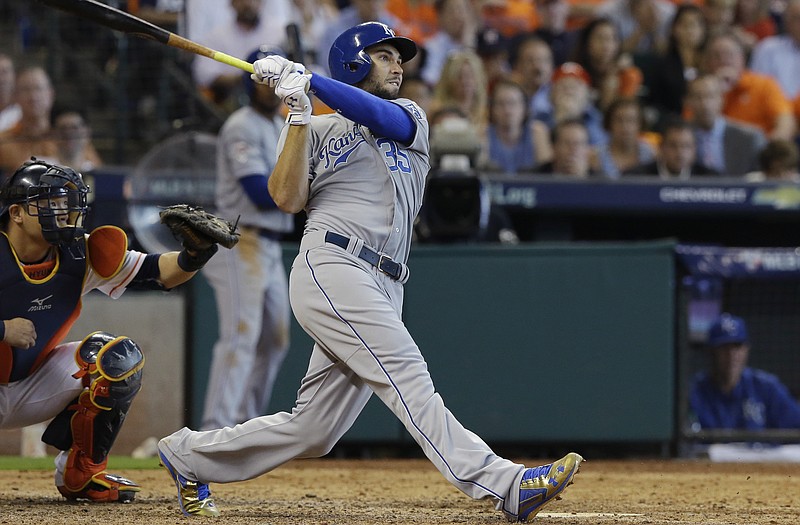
[(295, 43), (113, 18)]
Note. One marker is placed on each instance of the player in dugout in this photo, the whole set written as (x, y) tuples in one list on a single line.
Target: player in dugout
[(360, 175), (83, 388)]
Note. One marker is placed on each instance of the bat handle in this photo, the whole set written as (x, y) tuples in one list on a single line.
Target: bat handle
[(188, 45), (233, 61)]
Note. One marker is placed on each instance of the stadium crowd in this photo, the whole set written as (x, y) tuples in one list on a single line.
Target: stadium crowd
[(598, 80)]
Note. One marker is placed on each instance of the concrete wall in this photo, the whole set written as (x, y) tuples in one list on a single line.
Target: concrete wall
[(156, 321)]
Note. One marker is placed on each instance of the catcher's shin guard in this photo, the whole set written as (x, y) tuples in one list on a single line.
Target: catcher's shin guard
[(111, 367)]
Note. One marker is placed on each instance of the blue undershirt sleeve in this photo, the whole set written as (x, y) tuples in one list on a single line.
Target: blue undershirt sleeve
[(382, 117), (256, 188)]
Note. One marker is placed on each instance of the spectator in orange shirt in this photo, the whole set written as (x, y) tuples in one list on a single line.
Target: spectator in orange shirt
[(510, 17), (749, 97), (599, 51), (31, 135), (417, 16)]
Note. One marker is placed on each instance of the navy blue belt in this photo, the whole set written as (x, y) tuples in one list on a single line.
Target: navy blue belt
[(382, 262)]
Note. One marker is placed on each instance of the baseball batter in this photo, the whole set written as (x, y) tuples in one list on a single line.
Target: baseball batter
[(249, 281), (47, 264), (360, 174)]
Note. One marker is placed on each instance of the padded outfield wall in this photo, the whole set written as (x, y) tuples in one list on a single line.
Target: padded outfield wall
[(534, 343)]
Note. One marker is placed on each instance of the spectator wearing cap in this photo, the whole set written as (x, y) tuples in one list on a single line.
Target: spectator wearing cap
[(553, 16), (731, 395), (570, 98), (492, 46)]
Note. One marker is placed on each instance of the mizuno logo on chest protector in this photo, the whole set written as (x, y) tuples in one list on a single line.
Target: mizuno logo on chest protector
[(338, 149), (39, 304)]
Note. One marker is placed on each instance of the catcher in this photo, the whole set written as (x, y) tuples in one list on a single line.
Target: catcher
[(47, 263)]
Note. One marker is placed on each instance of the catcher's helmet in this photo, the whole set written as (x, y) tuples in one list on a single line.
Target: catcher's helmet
[(347, 60), (42, 186), (263, 51)]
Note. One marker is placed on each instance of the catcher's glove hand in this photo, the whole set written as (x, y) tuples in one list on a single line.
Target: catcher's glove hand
[(197, 229)]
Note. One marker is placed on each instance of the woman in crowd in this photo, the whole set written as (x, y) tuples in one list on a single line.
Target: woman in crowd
[(463, 84), (626, 148), (680, 63), (612, 73), (513, 142)]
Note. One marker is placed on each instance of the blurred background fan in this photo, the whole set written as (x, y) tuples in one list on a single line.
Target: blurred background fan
[(179, 170)]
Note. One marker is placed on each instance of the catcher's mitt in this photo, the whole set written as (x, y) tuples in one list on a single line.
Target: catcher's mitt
[(197, 229)]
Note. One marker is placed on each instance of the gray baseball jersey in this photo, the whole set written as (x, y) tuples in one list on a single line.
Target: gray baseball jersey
[(247, 146), (347, 197), (249, 281), (369, 189)]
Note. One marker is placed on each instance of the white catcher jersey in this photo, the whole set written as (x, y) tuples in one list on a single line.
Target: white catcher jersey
[(380, 193)]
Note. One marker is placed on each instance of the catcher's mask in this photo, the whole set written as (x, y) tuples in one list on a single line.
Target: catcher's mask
[(55, 194)]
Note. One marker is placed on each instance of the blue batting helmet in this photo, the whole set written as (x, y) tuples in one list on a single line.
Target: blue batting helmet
[(347, 60), (263, 51)]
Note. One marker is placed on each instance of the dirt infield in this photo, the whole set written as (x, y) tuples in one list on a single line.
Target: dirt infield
[(352, 492)]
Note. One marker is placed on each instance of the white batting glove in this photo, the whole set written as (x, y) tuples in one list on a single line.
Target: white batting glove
[(268, 70), (292, 88)]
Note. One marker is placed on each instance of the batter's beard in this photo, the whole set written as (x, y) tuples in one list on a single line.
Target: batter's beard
[(381, 91)]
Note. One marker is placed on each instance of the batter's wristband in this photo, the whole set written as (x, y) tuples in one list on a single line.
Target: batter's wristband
[(192, 263), (298, 118)]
